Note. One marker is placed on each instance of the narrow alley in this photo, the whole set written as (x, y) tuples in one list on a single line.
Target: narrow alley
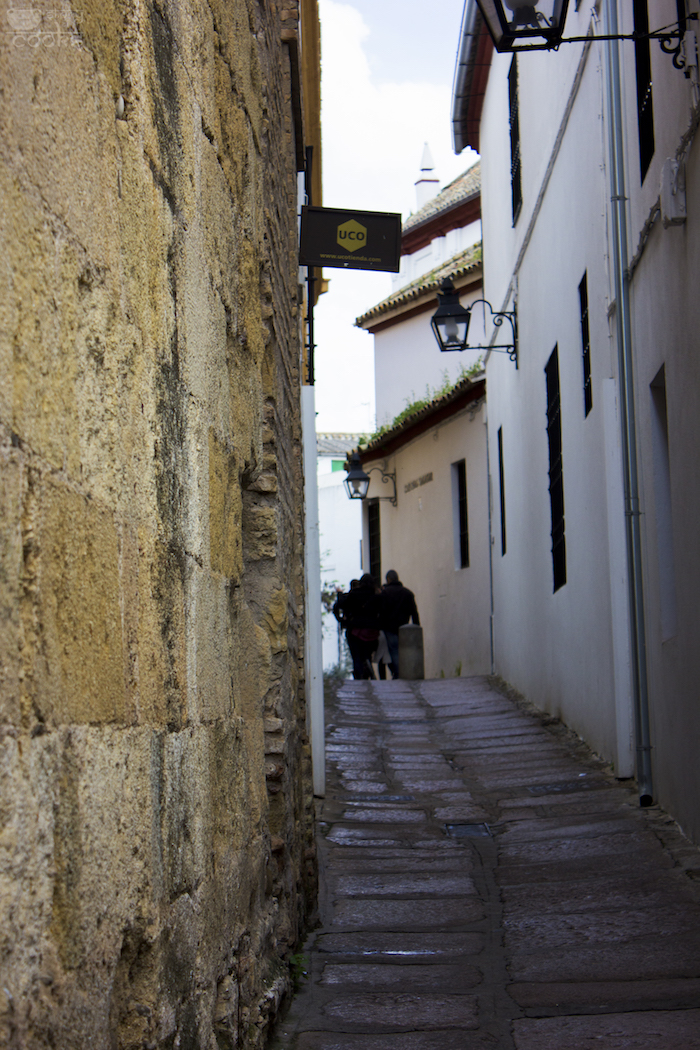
[(487, 883)]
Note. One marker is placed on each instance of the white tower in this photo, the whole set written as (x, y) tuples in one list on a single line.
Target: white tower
[(427, 185)]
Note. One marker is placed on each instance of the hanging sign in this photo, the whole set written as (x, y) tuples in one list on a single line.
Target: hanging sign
[(350, 240)]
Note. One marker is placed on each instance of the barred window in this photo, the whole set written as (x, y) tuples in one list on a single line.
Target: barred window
[(459, 514), (515, 173), (585, 346), (645, 107), (556, 474)]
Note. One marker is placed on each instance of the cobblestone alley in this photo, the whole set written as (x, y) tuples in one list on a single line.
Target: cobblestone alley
[(487, 883)]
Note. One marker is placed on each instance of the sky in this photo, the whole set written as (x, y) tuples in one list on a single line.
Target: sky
[(386, 86)]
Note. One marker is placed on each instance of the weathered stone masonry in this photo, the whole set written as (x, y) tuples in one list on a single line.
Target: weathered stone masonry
[(156, 862)]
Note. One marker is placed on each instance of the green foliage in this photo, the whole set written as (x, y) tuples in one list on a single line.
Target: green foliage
[(458, 669), (329, 595), (413, 407), (299, 969), (336, 674)]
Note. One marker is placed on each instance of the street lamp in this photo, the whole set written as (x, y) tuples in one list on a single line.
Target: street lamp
[(538, 24), (450, 322), (524, 25), (357, 482)]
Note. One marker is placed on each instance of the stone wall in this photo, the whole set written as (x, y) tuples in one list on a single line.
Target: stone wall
[(156, 862)]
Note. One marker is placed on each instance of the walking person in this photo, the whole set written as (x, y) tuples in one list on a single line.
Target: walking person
[(360, 610), (397, 607)]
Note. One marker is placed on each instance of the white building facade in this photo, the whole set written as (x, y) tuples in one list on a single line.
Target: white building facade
[(340, 535), (436, 533), (595, 577), (442, 239)]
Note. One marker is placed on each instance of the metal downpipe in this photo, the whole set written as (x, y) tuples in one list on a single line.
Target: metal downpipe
[(618, 204)]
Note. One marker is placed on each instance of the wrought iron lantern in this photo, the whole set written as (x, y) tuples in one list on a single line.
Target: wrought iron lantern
[(357, 482), (521, 22), (524, 25), (450, 322)]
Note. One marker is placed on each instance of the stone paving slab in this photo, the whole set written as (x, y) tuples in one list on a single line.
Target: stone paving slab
[(419, 884), (486, 884), (385, 861), (658, 1030), (442, 1040), (407, 977), (403, 914), (386, 1011), (641, 959), (594, 894), (611, 996), (415, 946)]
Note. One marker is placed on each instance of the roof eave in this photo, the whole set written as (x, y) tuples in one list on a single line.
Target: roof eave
[(471, 77), (464, 394), (415, 293)]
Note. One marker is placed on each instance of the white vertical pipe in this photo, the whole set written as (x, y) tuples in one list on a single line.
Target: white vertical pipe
[(618, 206), (312, 563)]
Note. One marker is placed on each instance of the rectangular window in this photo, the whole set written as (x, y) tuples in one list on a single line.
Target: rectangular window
[(459, 515), (585, 346), (502, 491), (375, 550), (556, 475), (514, 120), (662, 494), (645, 108)]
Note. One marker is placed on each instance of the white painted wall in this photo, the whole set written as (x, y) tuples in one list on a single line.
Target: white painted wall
[(417, 540), (408, 361), (569, 651), (435, 254), (340, 529), (544, 640)]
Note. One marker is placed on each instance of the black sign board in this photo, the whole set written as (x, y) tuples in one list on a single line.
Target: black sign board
[(350, 240)]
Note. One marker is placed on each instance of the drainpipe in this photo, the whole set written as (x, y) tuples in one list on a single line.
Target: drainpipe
[(618, 205)]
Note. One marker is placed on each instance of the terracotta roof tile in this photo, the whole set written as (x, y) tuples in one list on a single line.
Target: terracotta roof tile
[(464, 186), (457, 266)]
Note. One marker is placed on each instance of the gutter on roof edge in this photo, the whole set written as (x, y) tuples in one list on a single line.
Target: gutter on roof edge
[(465, 393), (471, 76)]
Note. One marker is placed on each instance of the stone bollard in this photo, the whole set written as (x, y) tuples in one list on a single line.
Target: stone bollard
[(411, 665)]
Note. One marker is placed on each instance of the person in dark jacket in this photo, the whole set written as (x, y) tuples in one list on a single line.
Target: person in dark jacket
[(397, 607), (360, 612)]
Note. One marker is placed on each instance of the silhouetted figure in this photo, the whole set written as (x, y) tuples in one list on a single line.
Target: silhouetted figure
[(397, 607), (360, 611)]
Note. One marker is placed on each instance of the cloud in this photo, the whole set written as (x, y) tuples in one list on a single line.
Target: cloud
[(373, 135)]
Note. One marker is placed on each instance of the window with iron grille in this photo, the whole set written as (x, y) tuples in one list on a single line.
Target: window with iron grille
[(585, 346), (515, 175), (459, 514), (375, 550), (556, 476), (502, 490), (645, 108)]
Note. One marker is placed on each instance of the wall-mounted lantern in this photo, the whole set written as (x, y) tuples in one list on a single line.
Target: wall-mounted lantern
[(517, 23), (521, 25), (357, 481), (450, 323)]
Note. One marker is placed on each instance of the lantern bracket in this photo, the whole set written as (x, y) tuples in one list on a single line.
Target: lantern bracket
[(386, 477), (498, 317), (357, 480)]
